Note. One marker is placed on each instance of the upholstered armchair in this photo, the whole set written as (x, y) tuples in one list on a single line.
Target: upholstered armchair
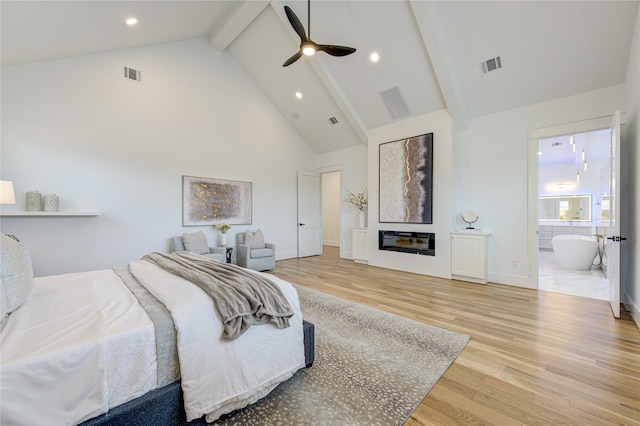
[(253, 253), (197, 243)]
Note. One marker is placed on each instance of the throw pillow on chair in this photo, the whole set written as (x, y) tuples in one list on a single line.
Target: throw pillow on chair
[(255, 240)]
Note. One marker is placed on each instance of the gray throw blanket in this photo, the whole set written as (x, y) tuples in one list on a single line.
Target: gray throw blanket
[(241, 298)]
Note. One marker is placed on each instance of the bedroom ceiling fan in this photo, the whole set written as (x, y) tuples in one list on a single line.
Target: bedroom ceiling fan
[(307, 46)]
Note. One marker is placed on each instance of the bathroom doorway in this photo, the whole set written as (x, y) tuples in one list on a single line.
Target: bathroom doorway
[(573, 200)]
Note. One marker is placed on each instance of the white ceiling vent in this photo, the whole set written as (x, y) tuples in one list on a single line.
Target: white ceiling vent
[(492, 64), (332, 120), (133, 74), (395, 103)]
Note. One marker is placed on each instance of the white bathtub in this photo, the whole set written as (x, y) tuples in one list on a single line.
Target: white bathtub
[(574, 252)]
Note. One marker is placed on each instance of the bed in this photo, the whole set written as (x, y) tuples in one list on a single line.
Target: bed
[(139, 341)]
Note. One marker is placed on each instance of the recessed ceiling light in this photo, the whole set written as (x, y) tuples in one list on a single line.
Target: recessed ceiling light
[(131, 21), (299, 95), (375, 57)]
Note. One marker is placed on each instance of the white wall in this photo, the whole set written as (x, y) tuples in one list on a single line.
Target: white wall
[(352, 164), (438, 123), (631, 290), (331, 203), (76, 128), (492, 172)]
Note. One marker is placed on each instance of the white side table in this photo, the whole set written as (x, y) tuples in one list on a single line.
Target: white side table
[(469, 256)]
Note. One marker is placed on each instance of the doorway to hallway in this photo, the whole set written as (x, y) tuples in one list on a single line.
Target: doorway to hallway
[(331, 207)]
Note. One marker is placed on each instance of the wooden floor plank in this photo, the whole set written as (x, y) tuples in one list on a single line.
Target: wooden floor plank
[(534, 357)]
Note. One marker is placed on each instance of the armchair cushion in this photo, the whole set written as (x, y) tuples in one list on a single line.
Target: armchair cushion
[(255, 240), (261, 252), (196, 243)]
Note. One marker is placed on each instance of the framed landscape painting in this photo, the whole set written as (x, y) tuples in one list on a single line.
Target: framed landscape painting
[(406, 180), (208, 201)]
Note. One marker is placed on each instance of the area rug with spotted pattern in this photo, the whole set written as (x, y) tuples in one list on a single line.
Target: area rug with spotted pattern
[(371, 368)]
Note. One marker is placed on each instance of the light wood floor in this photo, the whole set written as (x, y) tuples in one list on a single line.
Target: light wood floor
[(535, 357)]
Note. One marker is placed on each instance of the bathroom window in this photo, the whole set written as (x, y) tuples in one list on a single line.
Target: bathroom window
[(567, 208)]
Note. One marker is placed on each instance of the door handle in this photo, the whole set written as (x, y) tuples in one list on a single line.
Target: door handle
[(617, 238), (301, 224)]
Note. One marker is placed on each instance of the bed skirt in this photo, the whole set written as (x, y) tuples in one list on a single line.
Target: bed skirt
[(164, 406)]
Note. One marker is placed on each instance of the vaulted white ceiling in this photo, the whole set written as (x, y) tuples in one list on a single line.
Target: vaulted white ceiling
[(431, 51)]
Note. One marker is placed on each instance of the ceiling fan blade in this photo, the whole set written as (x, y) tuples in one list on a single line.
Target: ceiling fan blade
[(336, 50), (295, 23), (292, 59)]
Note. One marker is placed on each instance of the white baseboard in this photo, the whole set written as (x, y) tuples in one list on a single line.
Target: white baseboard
[(512, 280), (286, 255)]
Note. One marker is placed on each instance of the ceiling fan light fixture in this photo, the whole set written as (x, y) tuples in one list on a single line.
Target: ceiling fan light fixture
[(308, 49), (307, 46)]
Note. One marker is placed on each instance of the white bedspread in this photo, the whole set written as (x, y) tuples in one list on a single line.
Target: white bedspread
[(221, 376), (79, 345)]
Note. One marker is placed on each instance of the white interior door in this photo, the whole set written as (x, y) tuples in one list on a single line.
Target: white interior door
[(309, 214), (612, 243)]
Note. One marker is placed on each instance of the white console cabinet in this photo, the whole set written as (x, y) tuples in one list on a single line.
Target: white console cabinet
[(469, 257), (360, 251)]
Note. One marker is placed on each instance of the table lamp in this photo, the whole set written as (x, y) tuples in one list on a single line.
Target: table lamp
[(7, 195)]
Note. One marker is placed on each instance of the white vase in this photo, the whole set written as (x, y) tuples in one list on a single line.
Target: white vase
[(34, 201), (223, 240), (361, 220), (51, 203)]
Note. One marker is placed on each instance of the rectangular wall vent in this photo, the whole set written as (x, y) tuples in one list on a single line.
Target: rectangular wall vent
[(332, 120), (132, 74), (492, 64), (395, 102)]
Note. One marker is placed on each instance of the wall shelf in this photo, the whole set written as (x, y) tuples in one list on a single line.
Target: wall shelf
[(47, 214)]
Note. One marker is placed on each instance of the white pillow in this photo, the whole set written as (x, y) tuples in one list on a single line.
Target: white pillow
[(255, 240), (196, 243), (16, 275)]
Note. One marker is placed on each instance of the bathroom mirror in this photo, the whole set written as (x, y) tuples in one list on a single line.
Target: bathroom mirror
[(575, 208)]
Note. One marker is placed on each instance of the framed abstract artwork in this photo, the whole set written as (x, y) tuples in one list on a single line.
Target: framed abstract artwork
[(208, 201), (406, 180)]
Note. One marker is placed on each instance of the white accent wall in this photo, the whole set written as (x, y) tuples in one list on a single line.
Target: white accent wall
[(494, 169), (487, 166), (440, 124), (77, 128)]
